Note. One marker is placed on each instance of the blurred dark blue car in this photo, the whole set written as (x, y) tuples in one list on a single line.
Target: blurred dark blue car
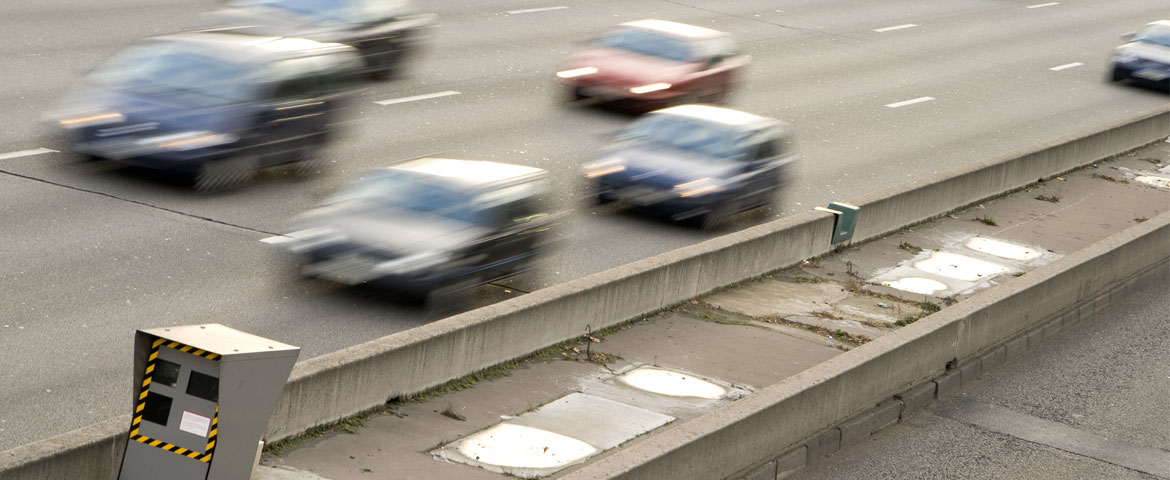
[(431, 224), (1146, 58), (694, 163), (218, 106), (384, 31)]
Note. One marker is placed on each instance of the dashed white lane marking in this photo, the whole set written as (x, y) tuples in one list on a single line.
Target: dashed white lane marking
[(895, 27), (1042, 5), (26, 153), (1066, 66), (392, 101), (534, 10), (276, 240), (912, 101)]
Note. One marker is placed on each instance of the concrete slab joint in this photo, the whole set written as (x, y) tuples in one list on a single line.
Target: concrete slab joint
[(948, 383), (857, 428), (970, 370), (886, 414), (915, 398), (994, 359), (822, 445), (1015, 347), (790, 463), (766, 471)]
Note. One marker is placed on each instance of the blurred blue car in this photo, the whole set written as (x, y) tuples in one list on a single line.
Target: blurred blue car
[(219, 106), (427, 225), (1146, 58), (694, 163)]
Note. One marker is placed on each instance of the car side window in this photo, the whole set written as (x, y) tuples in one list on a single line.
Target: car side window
[(295, 79), (340, 72), (767, 149)]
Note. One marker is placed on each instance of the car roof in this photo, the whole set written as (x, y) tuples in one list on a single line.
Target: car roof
[(242, 47), (468, 172), (721, 115), (674, 28), (1164, 23)]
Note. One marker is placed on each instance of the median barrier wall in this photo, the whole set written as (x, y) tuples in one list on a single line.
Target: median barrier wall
[(330, 387), (756, 432)]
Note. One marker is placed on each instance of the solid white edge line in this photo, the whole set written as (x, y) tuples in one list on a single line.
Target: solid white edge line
[(895, 27), (534, 10), (1066, 66), (417, 97), (26, 153), (910, 102), (1042, 5)]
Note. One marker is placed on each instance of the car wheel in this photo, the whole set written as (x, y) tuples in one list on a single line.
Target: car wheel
[(227, 173), (1117, 75), (381, 74), (717, 218)]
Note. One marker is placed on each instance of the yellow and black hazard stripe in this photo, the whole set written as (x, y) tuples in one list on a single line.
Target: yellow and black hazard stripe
[(205, 455)]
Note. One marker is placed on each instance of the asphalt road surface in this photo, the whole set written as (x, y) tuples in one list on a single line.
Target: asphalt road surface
[(90, 253), (1089, 404)]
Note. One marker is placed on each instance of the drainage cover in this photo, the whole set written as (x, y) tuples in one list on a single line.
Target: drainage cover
[(960, 267), (509, 445), (674, 384), (562, 432), (921, 285), (1003, 249)]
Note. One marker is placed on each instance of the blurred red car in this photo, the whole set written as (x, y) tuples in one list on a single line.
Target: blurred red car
[(651, 64)]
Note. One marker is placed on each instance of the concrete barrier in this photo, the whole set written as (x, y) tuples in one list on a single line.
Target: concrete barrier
[(331, 387), (799, 413)]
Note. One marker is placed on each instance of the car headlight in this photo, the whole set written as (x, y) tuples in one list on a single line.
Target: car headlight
[(653, 87), (413, 263), (189, 140), (91, 120), (310, 239), (697, 188), (577, 72), (603, 168)]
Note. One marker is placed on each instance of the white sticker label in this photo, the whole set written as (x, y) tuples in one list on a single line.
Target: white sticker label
[(195, 423)]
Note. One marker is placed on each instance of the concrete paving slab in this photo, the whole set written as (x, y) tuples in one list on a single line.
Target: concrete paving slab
[(774, 297), (554, 436), (742, 355)]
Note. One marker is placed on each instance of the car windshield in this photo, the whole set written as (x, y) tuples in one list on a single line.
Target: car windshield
[(411, 192), (352, 11), (683, 133), (175, 71), (646, 43), (1155, 34), (326, 9)]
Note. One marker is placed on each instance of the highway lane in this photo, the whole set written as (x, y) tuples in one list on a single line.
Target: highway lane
[(91, 253)]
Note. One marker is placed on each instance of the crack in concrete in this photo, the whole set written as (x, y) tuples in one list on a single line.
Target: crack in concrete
[(136, 202)]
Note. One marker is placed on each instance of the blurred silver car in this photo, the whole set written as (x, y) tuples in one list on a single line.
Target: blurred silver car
[(428, 224)]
